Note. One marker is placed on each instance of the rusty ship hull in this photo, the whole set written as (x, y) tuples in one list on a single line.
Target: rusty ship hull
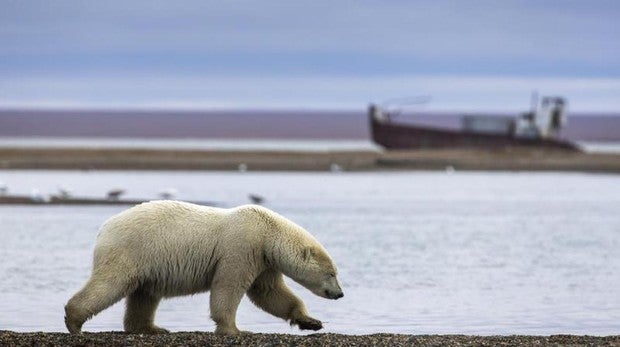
[(404, 136)]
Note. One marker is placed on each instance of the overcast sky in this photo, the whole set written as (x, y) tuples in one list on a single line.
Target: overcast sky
[(468, 55)]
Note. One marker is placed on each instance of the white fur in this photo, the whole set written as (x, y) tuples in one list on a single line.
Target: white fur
[(169, 248)]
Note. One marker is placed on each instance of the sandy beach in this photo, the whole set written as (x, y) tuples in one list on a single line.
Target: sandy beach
[(354, 160), (8, 338)]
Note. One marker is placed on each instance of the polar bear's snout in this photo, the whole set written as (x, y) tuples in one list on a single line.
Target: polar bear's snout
[(335, 296), (332, 288)]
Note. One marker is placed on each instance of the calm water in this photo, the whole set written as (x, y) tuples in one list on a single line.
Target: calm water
[(190, 144), (229, 144), (474, 253)]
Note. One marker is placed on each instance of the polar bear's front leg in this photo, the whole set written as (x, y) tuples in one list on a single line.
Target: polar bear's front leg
[(270, 293), (226, 294)]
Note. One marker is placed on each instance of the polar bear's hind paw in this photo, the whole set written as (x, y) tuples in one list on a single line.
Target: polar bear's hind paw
[(73, 326)]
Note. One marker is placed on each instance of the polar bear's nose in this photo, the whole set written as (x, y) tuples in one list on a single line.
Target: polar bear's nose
[(334, 296)]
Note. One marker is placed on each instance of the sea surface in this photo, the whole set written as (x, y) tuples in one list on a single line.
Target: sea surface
[(191, 144), (418, 252)]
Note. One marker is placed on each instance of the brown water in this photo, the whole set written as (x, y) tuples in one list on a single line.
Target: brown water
[(266, 124)]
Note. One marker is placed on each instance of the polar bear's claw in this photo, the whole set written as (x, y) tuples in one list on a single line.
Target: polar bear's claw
[(309, 324)]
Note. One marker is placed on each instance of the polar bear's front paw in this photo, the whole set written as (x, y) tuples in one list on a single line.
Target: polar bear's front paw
[(223, 330), (308, 323)]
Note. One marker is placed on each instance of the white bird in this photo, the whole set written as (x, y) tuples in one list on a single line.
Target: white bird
[(335, 168), (114, 194), (35, 195), (243, 167), (168, 193)]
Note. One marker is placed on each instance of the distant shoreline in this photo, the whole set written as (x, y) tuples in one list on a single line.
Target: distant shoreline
[(9, 338), (300, 160)]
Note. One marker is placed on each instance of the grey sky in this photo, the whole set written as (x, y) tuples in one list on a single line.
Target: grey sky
[(315, 54)]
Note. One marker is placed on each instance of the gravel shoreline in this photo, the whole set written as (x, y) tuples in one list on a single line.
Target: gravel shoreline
[(9, 338)]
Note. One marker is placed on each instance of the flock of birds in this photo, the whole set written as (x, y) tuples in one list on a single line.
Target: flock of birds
[(112, 194), (116, 193)]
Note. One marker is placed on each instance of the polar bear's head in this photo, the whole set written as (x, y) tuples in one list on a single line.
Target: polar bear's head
[(319, 274)]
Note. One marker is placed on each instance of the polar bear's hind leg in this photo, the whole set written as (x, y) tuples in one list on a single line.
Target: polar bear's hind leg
[(140, 313), (99, 293)]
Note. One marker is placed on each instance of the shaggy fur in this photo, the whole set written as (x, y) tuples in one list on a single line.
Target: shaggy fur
[(168, 248)]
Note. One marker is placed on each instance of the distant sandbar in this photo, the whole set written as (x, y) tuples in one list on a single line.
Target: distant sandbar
[(299, 160)]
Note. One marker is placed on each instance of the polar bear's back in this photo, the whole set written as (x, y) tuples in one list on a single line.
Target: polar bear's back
[(160, 222), (170, 243)]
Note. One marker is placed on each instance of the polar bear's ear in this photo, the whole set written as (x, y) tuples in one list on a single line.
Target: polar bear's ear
[(308, 253)]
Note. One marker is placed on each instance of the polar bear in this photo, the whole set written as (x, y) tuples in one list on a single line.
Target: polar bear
[(168, 248)]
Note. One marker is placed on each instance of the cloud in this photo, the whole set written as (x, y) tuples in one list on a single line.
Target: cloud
[(519, 33)]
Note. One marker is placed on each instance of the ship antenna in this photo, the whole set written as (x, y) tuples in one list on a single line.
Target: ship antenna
[(395, 103), (411, 100), (534, 101)]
